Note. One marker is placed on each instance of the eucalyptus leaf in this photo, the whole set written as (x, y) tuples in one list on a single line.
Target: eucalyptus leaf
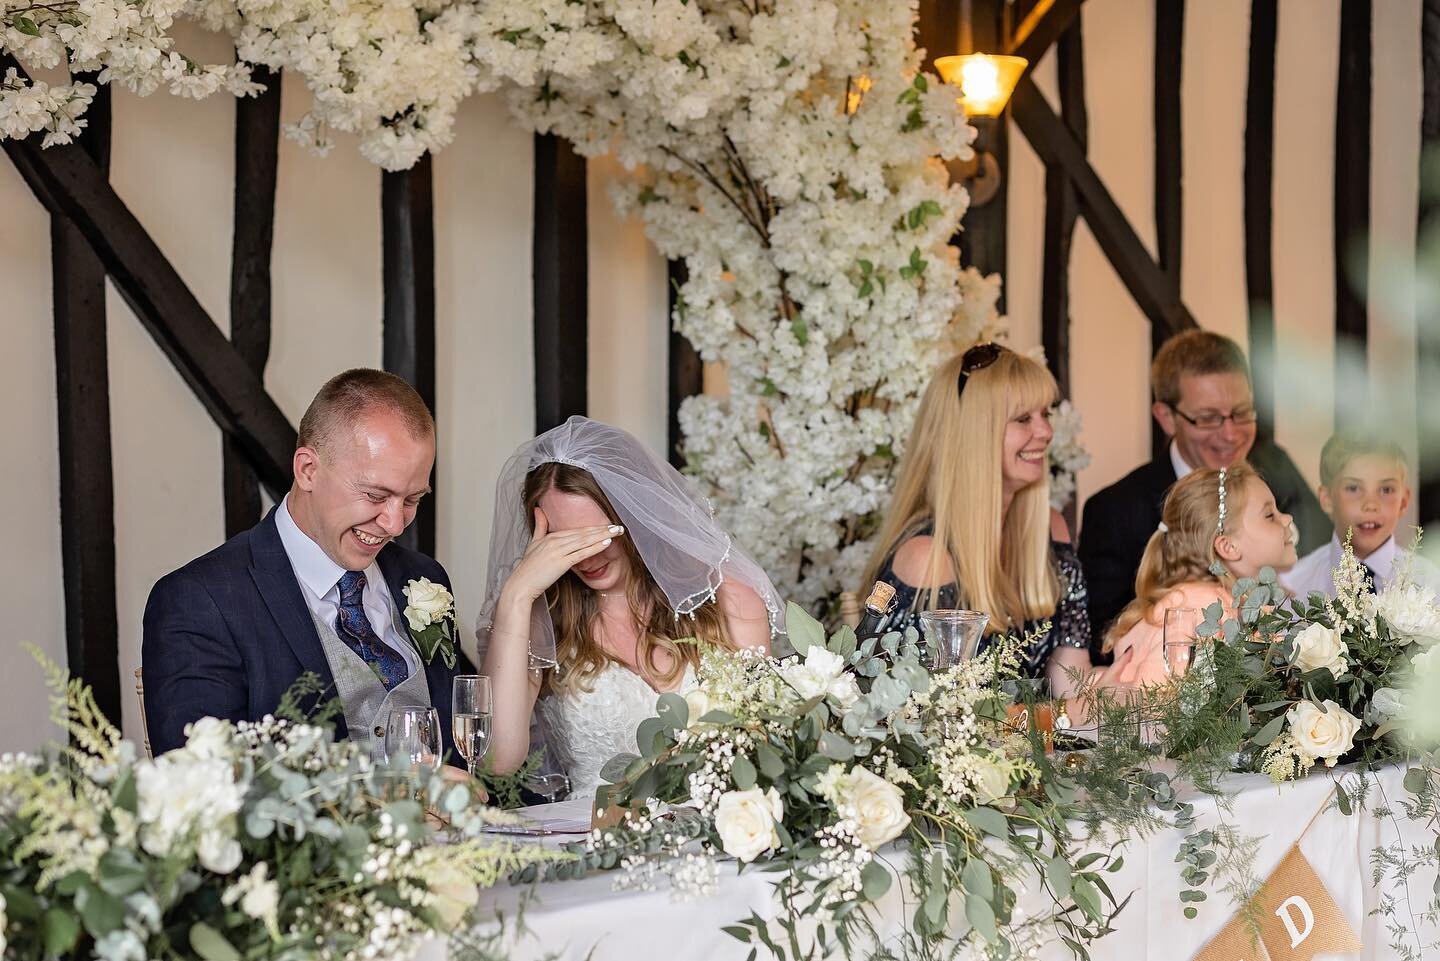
[(770, 762), (742, 772), (982, 916), (100, 912), (988, 820), (210, 944), (874, 880), (672, 710), (614, 769), (803, 630), (977, 881), (1088, 898), (61, 931), (1270, 731), (1057, 870), (836, 747)]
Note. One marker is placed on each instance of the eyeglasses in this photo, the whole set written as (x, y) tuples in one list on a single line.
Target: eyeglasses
[(977, 358), (1240, 417)]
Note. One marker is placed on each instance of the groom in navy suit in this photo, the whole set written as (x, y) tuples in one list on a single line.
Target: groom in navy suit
[(317, 586)]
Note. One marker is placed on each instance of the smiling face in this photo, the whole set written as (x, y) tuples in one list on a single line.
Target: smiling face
[(607, 571), (1258, 535), (1367, 498), (1203, 395), (1027, 437), (361, 489)]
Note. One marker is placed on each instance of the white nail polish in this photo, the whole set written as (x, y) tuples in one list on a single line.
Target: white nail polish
[(605, 542), (617, 529)]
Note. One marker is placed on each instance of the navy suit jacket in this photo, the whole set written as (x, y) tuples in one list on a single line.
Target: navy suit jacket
[(228, 634)]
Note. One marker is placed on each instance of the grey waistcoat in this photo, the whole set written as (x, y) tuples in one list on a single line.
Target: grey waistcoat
[(366, 703)]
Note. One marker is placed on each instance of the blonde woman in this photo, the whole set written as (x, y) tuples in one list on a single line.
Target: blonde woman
[(1209, 516), (602, 559), (970, 523)]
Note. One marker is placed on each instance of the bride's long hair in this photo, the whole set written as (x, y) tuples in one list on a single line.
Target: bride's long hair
[(575, 608)]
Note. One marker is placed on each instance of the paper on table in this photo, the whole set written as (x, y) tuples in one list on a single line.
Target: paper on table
[(561, 817)]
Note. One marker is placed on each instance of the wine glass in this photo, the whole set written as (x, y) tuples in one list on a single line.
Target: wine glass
[(1181, 637), (470, 711), (553, 786), (952, 636), (412, 738)]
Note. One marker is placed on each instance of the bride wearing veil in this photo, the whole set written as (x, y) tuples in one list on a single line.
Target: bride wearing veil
[(602, 558)]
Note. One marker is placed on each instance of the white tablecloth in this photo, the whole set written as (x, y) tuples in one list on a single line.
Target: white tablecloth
[(588, 919)]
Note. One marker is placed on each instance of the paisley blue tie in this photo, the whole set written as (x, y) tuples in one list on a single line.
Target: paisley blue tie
[(354, 629)]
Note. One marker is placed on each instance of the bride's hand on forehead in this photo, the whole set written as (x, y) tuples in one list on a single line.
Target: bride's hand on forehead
[(551, 554)]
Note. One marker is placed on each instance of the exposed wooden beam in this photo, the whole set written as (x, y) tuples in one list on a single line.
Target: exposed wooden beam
[(1061, 210), (1056, 145), (1259, 179), (408, 225), (687, 372), (1352, 204), (87, 494), (937, 30), (71, 183), (257, 156), (561, 283), (1042, 26), (1428, 226), (1169, 164)]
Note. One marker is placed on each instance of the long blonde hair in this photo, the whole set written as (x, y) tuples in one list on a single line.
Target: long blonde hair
[(951, 473), (1184, 551), (575, 608)]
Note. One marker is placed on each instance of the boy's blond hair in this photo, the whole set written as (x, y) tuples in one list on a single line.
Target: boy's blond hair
[(1346, 445)]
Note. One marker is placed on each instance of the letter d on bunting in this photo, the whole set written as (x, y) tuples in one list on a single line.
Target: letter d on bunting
[(1298, 919)]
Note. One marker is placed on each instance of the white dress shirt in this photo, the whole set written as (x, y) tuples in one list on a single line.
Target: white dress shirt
[(1178, 462), (1315, 571), (319, 579)]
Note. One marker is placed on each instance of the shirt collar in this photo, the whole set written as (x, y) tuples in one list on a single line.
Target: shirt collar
[(1178, 462), (312, 565), (1382, 562)]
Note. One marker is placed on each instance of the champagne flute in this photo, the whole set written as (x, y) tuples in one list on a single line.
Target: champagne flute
[(1180, 638), (470, 711), (412, 739)]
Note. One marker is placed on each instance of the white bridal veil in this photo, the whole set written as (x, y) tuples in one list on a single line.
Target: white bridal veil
[(671, 523)]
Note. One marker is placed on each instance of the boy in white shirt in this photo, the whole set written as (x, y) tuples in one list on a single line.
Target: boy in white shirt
[(1363, 489)]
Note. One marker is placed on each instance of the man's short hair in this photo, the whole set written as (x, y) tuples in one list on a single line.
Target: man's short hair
[(1196, 353), (1346, 445), (347, 397)]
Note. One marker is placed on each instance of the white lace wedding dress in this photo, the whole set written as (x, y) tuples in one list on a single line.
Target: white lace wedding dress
[(584, 730)]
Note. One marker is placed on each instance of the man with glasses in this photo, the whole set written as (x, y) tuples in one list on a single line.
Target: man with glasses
[(1204, 404)]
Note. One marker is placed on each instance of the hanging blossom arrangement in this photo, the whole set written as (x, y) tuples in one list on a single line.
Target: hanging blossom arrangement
[(790, 152)]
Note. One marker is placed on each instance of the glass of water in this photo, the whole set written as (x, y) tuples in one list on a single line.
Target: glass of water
[(1181, 638), (412, 739), (952, 636), (470, 711)]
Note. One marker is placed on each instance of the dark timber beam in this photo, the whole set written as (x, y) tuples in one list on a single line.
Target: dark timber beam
[(561, 284), (1041, 28), (408, 219), (1259, 179), (1061, 210), (87, 494), (1056, 145), (687, 372), (1428, 226), (70, 182), (1169, 163), (257, 154), (1352, 206)]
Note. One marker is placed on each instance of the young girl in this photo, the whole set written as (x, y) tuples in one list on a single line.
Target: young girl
[(1227, 516)]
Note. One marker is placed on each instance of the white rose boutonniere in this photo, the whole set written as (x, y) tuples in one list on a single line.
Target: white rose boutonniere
[(1318, 647), (1325, 730), (430, 613), (746, 822)]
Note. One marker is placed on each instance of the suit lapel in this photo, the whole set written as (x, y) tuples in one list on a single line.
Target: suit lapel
[(277, 584)]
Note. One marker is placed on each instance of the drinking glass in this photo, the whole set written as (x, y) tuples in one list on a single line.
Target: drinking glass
[(552, 787), (470, 711), (952, 636), (1181, 638), (412, 738)]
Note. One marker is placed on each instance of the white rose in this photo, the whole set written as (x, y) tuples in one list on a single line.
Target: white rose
[(1410, 611), (698, 704), (823, 673), (218, 851), (1319, 647), (876, 806), (1387, 704), (452, 893), (209, 739), (992, 781), (427, 603), (746, 822), (1325, 731)]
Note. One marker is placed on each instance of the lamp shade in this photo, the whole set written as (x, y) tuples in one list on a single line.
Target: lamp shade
[(985, 80)]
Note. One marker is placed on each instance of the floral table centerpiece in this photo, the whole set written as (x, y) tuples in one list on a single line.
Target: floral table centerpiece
[(807, 766), (257, 841)]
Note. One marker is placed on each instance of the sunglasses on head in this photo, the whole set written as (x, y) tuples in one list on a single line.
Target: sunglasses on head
[(977, 358)]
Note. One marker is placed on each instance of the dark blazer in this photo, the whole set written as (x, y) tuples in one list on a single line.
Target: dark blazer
[(1119, 520), (227, 634)]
